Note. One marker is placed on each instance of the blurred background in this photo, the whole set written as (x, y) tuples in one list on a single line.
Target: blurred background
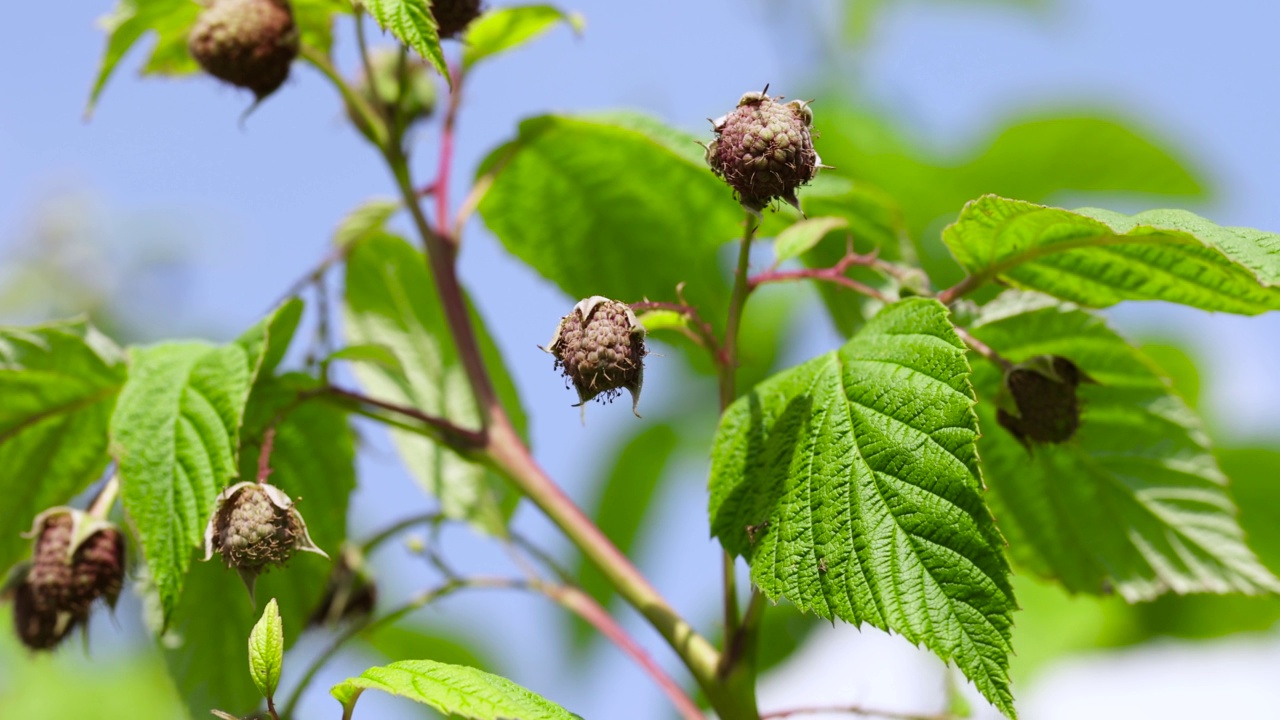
[(165, 216)]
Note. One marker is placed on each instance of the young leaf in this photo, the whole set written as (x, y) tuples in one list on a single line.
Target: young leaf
[(454, 690), (1135, 502), (412, 24), (633, 217), (851, 486), (175, 436), (313, 460), (803, 236), (391, 301), (59, 384), (503, 29), (266, 650), (1098, 258)]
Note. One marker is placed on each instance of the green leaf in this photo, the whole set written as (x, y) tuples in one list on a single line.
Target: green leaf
[(315, 21), (391, 300), (503, 29), (313, 461), (454, 690), (367, 220), (1098, 258), (851, 486), (266, 650), (632, 217), (175, 435), (624, 497), (412, 24), (169, 19), (59, 383), (371, 353), (803, 236), (1135, 502)]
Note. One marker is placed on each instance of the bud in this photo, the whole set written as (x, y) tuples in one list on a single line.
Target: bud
[(1040, 402), (599, 346), (415, 102), (453, 16), (76, 559), (256, 527), (248, 43), (764, 150)]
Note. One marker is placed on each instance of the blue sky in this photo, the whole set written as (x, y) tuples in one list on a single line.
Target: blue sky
[(252, 207)]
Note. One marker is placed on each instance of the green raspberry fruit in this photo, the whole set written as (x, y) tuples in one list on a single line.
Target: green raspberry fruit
[(764, 150), (248, 43), (600, 348), (1042, 397)]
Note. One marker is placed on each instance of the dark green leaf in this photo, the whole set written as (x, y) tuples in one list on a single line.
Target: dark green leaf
[(412, 24), (503, 29), (59, 384), (850, 484), (454, 690), (1098, 258), (1133, 503), (619, 212), (391, 301), (313, 461)]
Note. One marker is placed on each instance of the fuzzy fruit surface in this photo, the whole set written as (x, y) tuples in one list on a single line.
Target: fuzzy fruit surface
[(453, 16), (600, 348), (248, 43), (253, 533), (1044, 392), (764, 150)]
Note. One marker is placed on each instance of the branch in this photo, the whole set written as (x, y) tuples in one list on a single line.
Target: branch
[(706, 335), (853, 710), (447, 133), (984, 350), (457, 438), (965, 286), (834, 274)]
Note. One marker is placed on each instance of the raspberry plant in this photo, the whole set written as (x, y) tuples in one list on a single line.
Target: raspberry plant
[(965, 427)]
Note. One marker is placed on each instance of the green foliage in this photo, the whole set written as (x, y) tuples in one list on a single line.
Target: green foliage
[(455, 690), (626, 494), (1135, 502), (1098, 258), (621, 213), (391, 301), (503, 29), (851, 486), (313, 460), (266, 650), (411, 22), (803, 236), (59, 384), (404, 640), (365, 221)]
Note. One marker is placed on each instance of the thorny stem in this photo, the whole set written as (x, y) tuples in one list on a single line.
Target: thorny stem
[(457, 438), (983, 349), (271, 708)]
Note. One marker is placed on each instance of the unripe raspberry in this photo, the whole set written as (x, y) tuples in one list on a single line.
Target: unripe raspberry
[(1041, 398), (407, 104), (75, 561), (256, 527), (599, 346), (248, 43), (453, 16), (764, 150)]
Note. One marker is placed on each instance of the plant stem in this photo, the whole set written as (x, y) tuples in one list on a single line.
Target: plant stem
[(101, 505), (737, 302), (983, 349), (398, 527), (377, 128), (447, 133), (456, 438), (965, 286)]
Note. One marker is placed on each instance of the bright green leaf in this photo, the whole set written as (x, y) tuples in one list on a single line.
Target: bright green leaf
[(169, 19), (367, 220), (619, 211), (851, 486), (313, 461), (175, 436), (412, 23), (59, 383), (372, 353), (803, 236), (266, 650), (1135, 502), (507, 28), (1098, 258), (454, 690), (391, 301), (315, 21)]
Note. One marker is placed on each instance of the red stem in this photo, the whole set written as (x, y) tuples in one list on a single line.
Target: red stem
[(441, 185), (585, 607), (834, 274), (264, 455)]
